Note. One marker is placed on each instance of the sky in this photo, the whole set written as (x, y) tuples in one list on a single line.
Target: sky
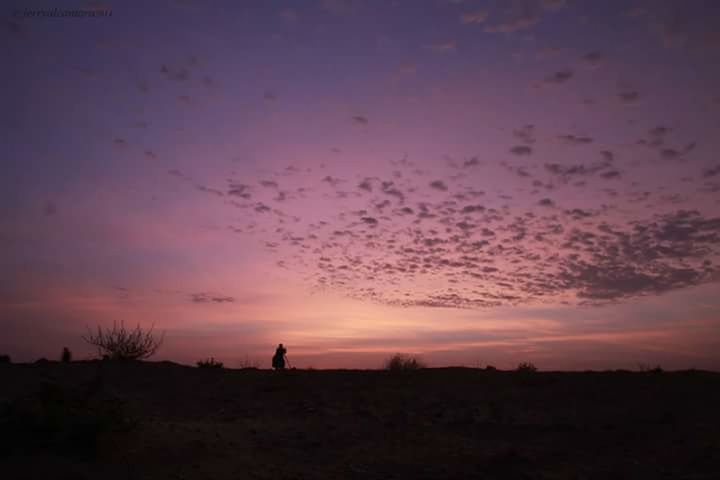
[(471, 182)]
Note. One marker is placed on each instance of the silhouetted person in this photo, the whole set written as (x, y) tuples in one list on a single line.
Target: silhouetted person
[(278, 361)]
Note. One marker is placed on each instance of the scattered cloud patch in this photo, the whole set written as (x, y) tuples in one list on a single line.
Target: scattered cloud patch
[(476, 17), (210, 298), (521, 150)]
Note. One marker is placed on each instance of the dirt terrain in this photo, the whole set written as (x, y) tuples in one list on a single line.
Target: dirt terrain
[(144, 420)]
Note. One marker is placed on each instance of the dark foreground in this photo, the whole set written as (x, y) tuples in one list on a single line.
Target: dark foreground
[(103, 420)]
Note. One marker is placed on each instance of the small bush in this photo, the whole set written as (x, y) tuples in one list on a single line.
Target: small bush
[(5, 359), (210, 363), (249, 364), (66, 356), (120, 343), (647, 368), (403, 363), (490, 368), (526, 367)]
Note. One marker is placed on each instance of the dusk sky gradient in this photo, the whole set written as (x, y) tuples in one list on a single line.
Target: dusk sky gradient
[(473, 182)]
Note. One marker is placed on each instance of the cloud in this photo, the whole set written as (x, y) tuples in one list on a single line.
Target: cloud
[(519, 171), (210, 298), (525, 134), (655, 257), (476, 17), (438, 185), (389, 188), (629, 97), (520, 22), (473, 208), (610, 174), (444, 47), (593, 59), (175, 73), (546, 202), (607, 155), (360, 120), (239, 190), (262, 208), (521, 150), (333, 181), (659, 131), (212, 191), (561, 76), (575, 140), (578, 213), (567, 173), (712, 171), (669, 153), (458, 253), (473, 162), (366, 185), (269, 183)]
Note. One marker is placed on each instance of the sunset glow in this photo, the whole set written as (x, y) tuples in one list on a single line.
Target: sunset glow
[(472, 182)]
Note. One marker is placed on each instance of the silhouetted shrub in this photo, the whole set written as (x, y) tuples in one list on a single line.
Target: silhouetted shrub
[(119, 343), (490, 368), (66, 356), (210, 363), (62, 420), (5, 359), (403, 363), (249, 364), (647, 368), (526, 367)]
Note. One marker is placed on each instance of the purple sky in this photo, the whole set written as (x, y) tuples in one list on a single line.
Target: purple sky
[(473, 182)]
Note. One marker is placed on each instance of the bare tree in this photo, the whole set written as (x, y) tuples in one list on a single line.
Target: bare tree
[(120, 343)]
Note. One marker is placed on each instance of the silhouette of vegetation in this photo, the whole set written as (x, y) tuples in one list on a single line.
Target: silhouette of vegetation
[(526, 367), (403, 363), (61, 419), (210, 363), (120, 343), (647, 368), (248, 363), (66, 356), (490, 368), (5, 359)]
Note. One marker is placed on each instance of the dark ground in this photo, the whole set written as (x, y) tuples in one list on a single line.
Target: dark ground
[(107, 420)]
